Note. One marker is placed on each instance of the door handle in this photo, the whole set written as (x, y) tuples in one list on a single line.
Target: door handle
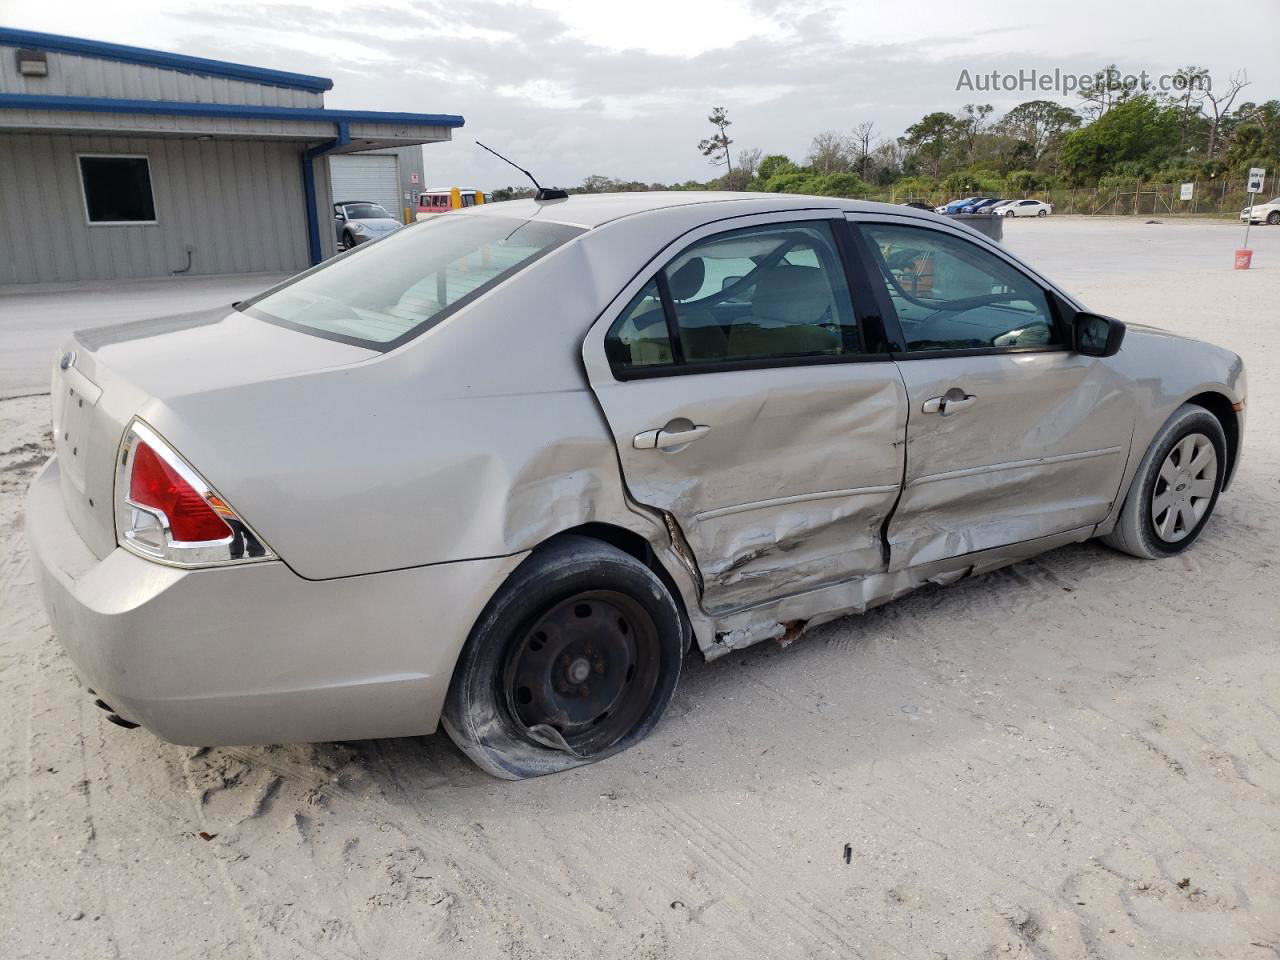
[(661, 439), (953, 401)]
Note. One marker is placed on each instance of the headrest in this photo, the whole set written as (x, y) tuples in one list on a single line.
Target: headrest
[(793, 295), (687, 281)]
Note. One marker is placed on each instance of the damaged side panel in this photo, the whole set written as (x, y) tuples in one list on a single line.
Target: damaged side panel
[(785, 619), (1041, 449), (789, 486)]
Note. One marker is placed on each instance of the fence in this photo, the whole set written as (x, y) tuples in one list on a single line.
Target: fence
[(1209, 197)]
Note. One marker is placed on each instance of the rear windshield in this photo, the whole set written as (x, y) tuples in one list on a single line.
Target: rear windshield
[(384, 293)]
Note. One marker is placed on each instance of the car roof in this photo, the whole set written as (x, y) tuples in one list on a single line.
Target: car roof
[(595, 209)]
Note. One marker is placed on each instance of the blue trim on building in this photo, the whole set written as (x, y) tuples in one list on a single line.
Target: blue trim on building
[(309, 186), (40, 101), (160, 58)]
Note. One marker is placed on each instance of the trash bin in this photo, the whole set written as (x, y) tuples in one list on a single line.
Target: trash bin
[(984, 223)]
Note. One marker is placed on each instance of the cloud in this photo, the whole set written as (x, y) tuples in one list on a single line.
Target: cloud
[(588, 88)]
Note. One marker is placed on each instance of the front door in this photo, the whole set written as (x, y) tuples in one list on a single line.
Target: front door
[(1011, 435), (745, 407)]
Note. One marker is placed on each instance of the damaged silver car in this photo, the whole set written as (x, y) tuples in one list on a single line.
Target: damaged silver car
[(502, 469)]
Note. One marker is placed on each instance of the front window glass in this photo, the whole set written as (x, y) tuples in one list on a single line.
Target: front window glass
[(367, 211), (950, 294), (387, 292)]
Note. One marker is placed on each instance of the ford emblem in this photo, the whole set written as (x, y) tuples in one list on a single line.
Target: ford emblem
[(68, 360)]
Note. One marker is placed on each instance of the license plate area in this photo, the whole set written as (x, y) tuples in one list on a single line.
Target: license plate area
[(75, 396)]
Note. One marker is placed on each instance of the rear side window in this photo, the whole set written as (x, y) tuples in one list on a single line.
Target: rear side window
[(388, 292), (950, 294), (639, 338), (758, 294)]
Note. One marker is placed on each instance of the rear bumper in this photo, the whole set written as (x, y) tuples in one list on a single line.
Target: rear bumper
[(255, 653)]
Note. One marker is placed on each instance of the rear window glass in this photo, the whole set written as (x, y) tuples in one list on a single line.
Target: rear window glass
[(384, 293)]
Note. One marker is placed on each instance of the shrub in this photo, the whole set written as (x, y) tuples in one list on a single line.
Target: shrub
[(774, 164), (841, 185)]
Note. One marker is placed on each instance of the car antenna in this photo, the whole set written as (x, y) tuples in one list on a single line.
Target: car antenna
[(544, 193)]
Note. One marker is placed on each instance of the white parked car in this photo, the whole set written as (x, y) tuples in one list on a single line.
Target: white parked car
[(1268, 212), (1024, 208)]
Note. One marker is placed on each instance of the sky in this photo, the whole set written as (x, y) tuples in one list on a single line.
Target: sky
[(570, 88)]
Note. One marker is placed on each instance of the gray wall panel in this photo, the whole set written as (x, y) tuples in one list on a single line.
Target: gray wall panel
[(238, 203)]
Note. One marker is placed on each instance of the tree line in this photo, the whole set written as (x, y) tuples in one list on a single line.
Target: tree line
[(1115, 135)]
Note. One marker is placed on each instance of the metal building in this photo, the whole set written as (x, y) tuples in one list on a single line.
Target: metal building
[(119, 162)]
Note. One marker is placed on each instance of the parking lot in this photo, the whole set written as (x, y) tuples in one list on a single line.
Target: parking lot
[(1077, 756)]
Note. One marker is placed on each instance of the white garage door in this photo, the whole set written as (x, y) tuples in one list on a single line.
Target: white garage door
[(372, 176)]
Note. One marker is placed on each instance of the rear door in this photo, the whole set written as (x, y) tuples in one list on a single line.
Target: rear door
[(1011, 435), (745, 406)]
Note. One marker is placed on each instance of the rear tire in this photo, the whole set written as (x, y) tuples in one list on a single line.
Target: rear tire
[(574, 659), (1273, 218), (1175, 488)]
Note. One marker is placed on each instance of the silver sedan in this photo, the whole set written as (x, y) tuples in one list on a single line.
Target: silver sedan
[(500, 471)]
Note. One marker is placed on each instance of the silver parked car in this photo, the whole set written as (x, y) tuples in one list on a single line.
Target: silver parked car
[(501, 470), (359, 221)]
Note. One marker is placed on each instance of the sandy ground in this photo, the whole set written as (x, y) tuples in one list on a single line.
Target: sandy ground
[(1078, 756)]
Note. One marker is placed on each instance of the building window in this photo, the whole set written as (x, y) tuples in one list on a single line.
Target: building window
[(117, 189)]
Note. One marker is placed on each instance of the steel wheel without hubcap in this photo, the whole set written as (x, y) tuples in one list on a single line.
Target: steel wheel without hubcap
[(584, 673), (1185, 487)]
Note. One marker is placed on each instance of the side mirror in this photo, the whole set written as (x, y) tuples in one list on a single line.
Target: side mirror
[(339, 215), (1096, 335)]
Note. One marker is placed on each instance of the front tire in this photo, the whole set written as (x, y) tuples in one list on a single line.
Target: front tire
[(1175, 488), (573, 660), (1042, 213)]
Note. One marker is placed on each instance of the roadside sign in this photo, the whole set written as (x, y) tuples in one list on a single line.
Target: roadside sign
[(1188, 191), (413, 177), (1257, 176)]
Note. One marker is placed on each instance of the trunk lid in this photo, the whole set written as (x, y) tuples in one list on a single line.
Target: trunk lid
[(106, 376)]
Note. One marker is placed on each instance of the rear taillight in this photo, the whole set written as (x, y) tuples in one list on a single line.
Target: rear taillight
[(155, 484), (166, 511)]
